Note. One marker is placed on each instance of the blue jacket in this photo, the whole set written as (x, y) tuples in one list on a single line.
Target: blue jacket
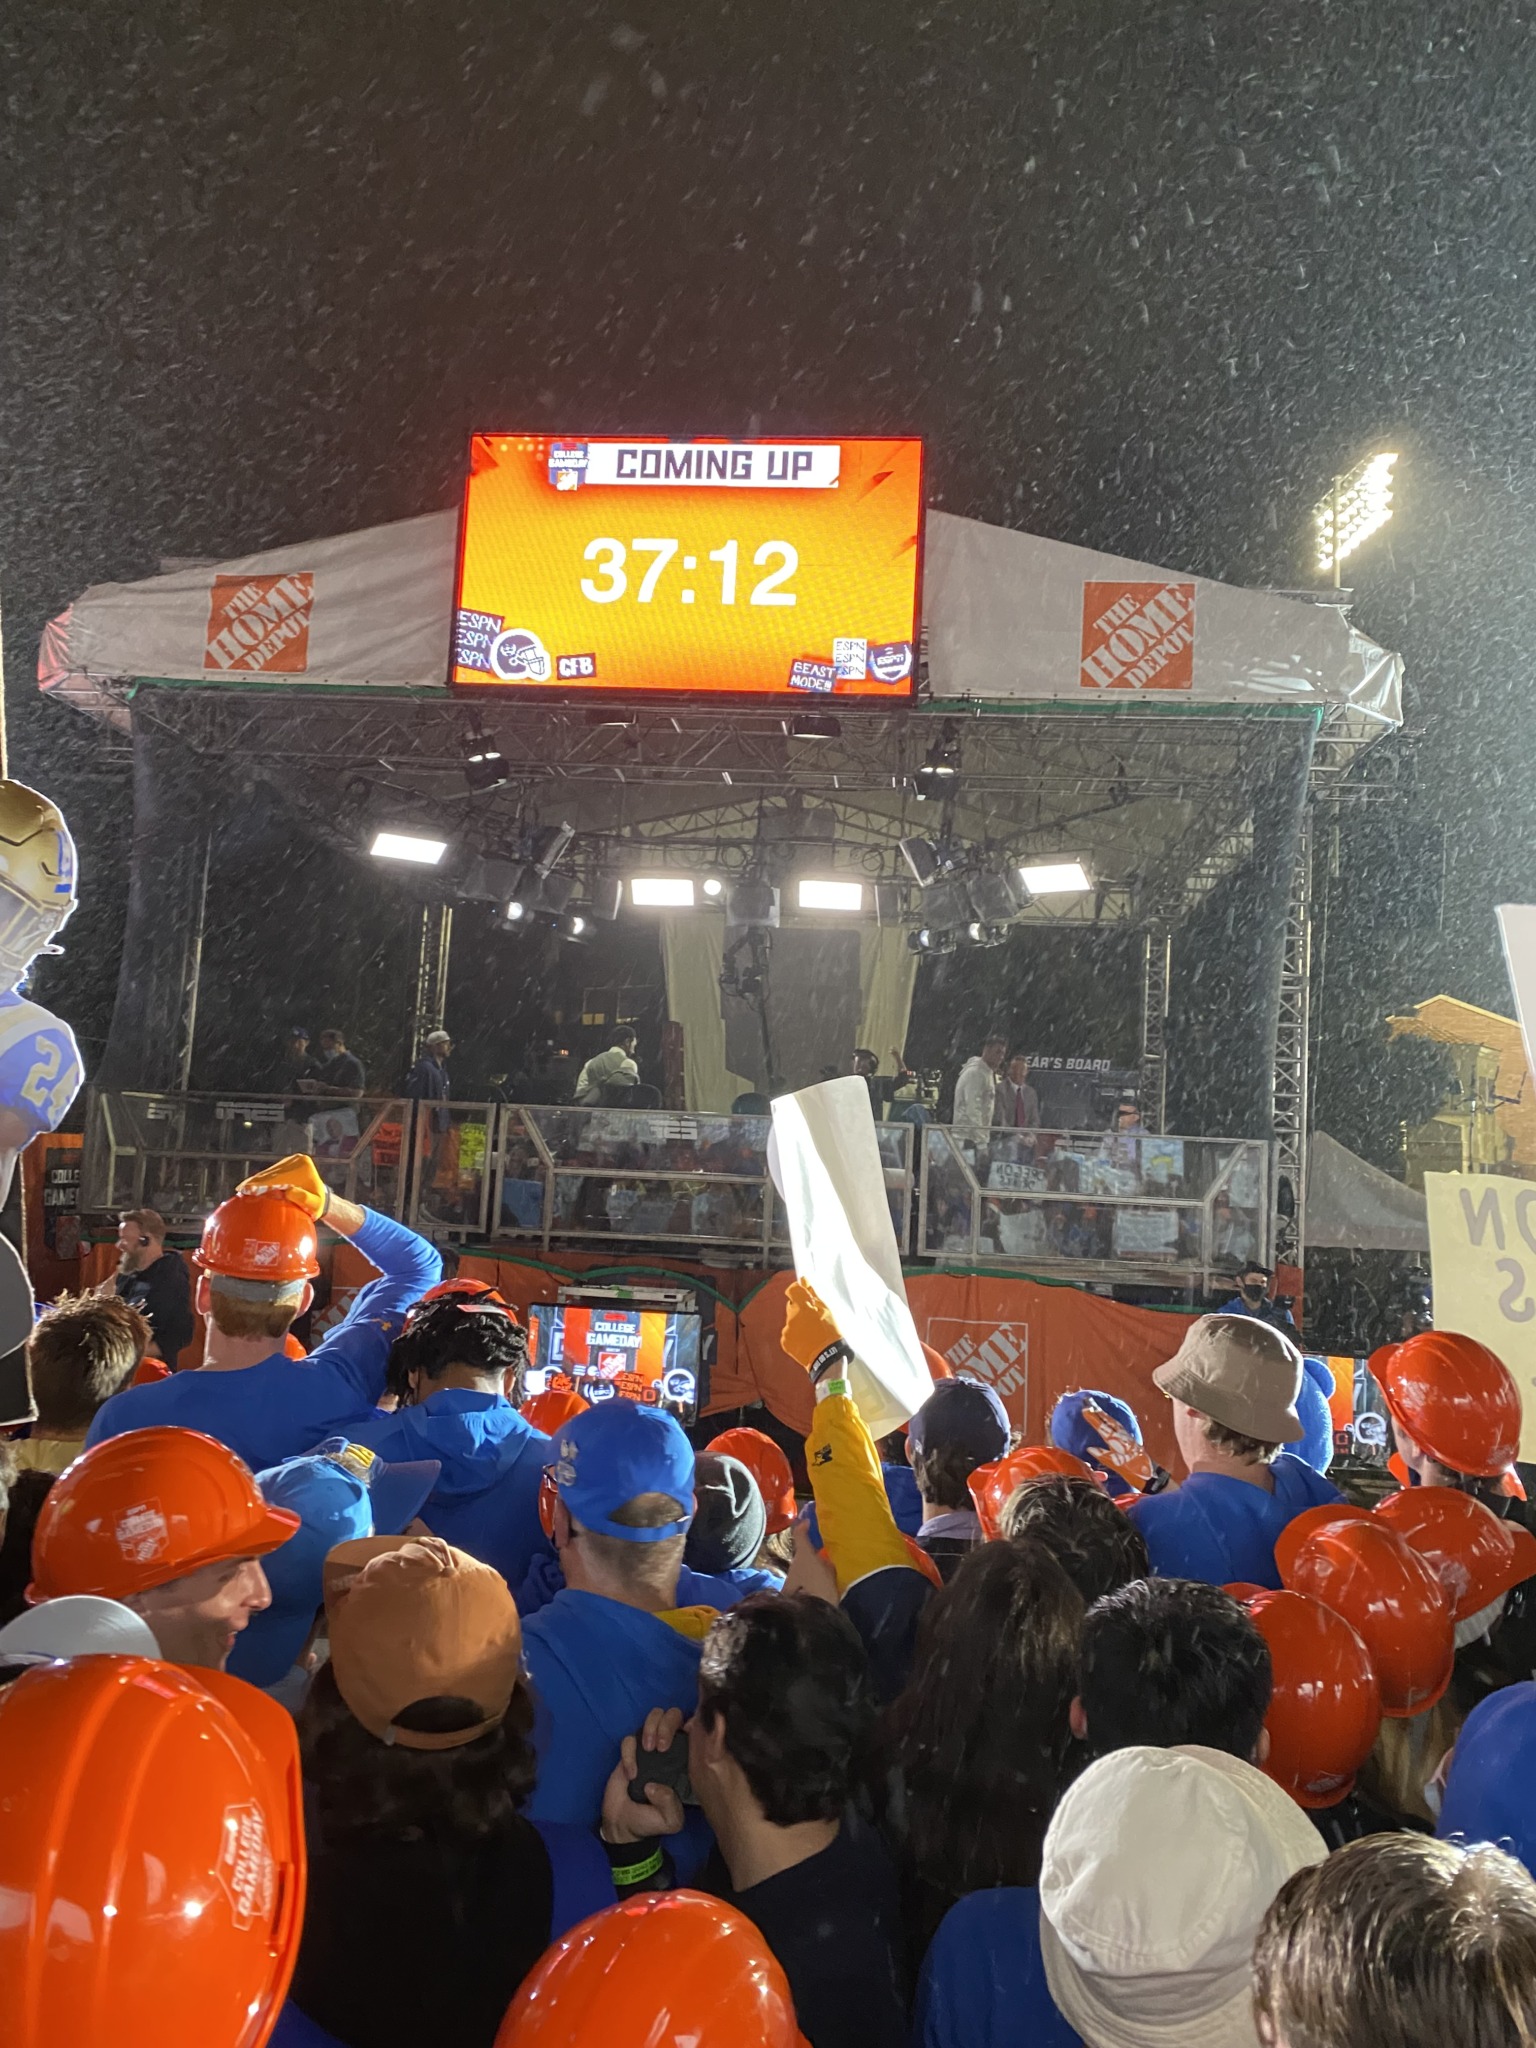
[(906, 1502), (486, 1500), (1220, 1530), (720, 1590), (598, 1667), (1490, 1794), (282, 1406), (983, 1979)]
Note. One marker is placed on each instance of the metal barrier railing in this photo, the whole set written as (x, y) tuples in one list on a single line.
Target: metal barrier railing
[(1092, 1205), (1116, 1205)]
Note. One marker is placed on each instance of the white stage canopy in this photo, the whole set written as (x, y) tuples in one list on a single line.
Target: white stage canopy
[(1009, 619)]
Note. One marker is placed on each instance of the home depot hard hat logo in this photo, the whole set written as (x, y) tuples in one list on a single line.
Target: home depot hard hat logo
[(260, 624), (1138, 636), (141, 1532), (999, 1355)]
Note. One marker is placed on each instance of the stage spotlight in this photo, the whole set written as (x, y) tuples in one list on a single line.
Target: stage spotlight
[(931, 940), (752, 901), (813, 725), (940, 771), (661, 892), (995, 897), (514, 913), (976, 933), (546, 843), (419, 848), (713, 886), (574, 926), (485, 765), (922, 857), (605, 895), (1055, 878), (814, 894), (947, 902)]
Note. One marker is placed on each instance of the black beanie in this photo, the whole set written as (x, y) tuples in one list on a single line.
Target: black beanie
[(729, 1520)]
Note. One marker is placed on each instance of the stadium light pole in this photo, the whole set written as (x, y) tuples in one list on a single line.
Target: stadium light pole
[(1359, 505)]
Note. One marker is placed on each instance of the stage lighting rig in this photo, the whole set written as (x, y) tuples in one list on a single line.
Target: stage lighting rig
[(939, 775), (485, 765)]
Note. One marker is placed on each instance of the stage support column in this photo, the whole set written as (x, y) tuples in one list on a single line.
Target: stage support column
[(429, 998), (1156, 965), (1292, 1059)]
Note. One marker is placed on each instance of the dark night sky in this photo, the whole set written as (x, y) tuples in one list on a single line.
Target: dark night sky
[(1143, 274)]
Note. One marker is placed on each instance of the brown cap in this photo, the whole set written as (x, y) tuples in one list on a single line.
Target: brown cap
[(416, 1620), (1240, 1372)]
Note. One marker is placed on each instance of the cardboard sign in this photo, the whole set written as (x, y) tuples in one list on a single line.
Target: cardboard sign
[(1482, 1253), (826, 1164)]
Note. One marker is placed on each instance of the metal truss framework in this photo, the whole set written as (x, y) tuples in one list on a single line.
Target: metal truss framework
[(1156, 979), (1293, 1057)]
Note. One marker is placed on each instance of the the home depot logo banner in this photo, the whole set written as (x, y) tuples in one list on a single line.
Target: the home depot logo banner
[(1138, 636), (259, 625)]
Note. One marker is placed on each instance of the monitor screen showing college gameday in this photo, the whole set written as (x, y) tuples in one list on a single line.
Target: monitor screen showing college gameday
[(763, 568), (650, 1355)]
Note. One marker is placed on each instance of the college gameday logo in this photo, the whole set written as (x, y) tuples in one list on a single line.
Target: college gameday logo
[(1138, 636), (260, 624)]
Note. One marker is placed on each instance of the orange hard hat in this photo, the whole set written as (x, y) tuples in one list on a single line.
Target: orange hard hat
[(152, 1856), (259, 1237), (1478, 1556), (552, 1409), (1455, 1399), (1307, 1523), (993, 1486), (939, 1367), (292, 1348), (148, 1370), (769, 1466), (671, 1969), (1392, 1599), (1325, 1710), (140, 1510)]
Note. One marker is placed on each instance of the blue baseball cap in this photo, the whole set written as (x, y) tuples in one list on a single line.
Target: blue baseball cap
[(1071, 1431), (1488, 1794), (612, 1453), (339, 1491), (965, 1413)]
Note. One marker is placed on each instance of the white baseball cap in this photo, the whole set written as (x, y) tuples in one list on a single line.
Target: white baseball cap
[(78, 1625), (1158, 1867)]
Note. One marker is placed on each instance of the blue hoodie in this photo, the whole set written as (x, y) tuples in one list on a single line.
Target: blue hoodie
[(1490, 1794), (283, 1406), (1222, 1530), (598, 1667), (983, 1979), (486, 1499)]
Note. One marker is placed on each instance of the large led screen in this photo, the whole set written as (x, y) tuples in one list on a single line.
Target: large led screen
[(760, 568)]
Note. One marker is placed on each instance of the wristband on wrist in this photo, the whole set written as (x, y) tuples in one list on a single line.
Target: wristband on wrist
[(632, 1873), (825, 1360), (827, 1390)]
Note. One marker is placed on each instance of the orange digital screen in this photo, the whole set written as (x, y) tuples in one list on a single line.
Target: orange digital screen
[(766, 568)]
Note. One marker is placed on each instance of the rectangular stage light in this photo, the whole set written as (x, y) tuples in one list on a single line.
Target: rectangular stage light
[(822, 895), (1055, 878), (661, 892), (783, 569), (411, 846)]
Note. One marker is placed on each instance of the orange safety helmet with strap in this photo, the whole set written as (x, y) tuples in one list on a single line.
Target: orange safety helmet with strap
[(152, 1857), (669, 1969), (140, 1510), (1325, 1710), (1477, 1555), (769, 1466), (939, 1367), (260, 1238), (993, 1486), (1392, 1599), (1455, 1399), (552, 1409)]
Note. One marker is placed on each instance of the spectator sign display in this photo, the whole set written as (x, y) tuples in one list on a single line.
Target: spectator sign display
[(780, 568)]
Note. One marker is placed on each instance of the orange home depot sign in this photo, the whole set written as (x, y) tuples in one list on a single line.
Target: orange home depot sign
[(1138, 636), (259, 625)]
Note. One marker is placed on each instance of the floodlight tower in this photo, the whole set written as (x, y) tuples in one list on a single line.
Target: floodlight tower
[(1359, 505)]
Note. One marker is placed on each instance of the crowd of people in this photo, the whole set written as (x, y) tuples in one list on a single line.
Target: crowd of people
[(363, 1698)]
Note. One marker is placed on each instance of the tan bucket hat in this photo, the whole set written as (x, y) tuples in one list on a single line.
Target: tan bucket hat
[(1242, 1373)]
